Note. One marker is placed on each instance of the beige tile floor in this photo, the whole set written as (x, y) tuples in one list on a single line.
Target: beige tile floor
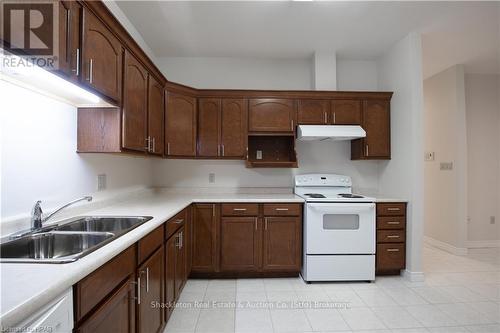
[(460, 294)]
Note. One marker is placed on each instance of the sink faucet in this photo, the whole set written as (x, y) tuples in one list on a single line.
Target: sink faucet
[(37, 218)]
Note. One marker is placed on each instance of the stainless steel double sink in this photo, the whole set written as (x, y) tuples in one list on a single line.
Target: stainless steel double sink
[(69, 241)]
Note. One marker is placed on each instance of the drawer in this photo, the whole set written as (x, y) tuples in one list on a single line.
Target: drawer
[(391, 236), (149, 243), (388, 222), (95, 287), (282, 209), (175, 223), (388, 209), (240, 209), (390, 257)]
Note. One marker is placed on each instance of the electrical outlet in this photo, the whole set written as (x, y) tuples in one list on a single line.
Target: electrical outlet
[(429, 156), (211, 178), (101, 182), (492, 220), (258, 154), (446, 166)]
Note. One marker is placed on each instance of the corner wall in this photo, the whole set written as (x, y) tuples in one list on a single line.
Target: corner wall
[(400, 70)]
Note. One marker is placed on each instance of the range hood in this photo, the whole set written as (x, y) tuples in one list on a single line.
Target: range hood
[(329, 132)]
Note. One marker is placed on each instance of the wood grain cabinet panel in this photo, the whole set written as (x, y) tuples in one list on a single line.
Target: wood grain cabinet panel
[(180, 262), (151, 274), (156, 121), (240, 209), (69, 39), (205, 238), (391, 238), (313, 112), (209, 127), (135, 99), (376, 122), (116, 314), (240, 244), (282, 243), (101, 58), (149, 243), (271, 115), (170, 254), (180, 127), (233, 138), (346, 112)]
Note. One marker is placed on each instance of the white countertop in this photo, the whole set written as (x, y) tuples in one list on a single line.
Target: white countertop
[(26, 288)]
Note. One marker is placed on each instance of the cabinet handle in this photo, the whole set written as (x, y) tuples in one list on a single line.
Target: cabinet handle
[(68, 27), (179, 221), (393, 222), (392, 250), (148, 144), (326, 117), (367, 150), (213, 210), (282, 209), (218, 150), (77, 69), (265, 223), (291, 123), (393, 209), (392, 236), (147, 279), (247, 153), (239, 209), (91, 70), (256, 223), (222, 146), (334, 118), (139, 289), (168, 148), (153, 145)]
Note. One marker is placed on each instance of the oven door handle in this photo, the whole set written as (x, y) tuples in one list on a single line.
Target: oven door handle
[(341, 208)]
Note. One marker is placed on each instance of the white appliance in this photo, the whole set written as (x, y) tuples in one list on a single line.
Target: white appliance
[(339, 229), (329, 132)]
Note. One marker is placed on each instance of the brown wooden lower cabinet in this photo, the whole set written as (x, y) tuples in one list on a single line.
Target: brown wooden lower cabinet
[(240, 248), (180, 262), (205, 244), (116, 314), (169, 276), (150, 276), (282, 243)]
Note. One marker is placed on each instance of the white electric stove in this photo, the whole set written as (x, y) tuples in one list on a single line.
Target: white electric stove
[(339, 229)]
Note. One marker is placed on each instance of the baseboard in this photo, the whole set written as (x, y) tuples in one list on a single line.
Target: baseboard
[(413, 276), (459, 251), (483, 244)]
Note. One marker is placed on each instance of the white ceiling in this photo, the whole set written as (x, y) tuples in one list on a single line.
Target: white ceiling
[(454, 32)]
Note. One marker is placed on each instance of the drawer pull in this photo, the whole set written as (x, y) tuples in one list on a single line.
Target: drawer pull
[(240, 209), (282, 209), (392, 236), (393, 209), (392, 250), (179, 221), (393, 222)]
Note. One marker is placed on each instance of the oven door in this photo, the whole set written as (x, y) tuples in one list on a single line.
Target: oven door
[(339, 228)]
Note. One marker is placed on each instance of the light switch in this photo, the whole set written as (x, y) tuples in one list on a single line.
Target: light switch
[(211, 178), (446, 166), (258, 154), (429, 156)]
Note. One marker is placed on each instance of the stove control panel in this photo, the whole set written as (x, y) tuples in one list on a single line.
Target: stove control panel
[(316, 179)]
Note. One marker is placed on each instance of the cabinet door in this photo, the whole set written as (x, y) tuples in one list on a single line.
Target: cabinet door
[(102, 58), (271, 115), (150, 318), (69, 39), (135, 97), (313, 112), (170, 252), (155, 117), (189, 240), (234, 117), (346, 112), (208, 127), (180, 127), (117, 314), (240, 244), (205, 250), (180, 262), (376, 122), (282, 243)]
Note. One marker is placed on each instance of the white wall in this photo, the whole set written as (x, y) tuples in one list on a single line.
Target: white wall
[(39, 159), (238, 73), (399, 70), (358, 75), (483, 147), (446, 136)]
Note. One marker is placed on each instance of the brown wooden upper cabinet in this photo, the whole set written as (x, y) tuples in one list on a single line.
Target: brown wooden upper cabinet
[(101, 58), (180, 125), (156, 122), (222, 128), (69, 39), (313, 112), (376, 122), (135, 99), (345, 112), (271, 115)]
